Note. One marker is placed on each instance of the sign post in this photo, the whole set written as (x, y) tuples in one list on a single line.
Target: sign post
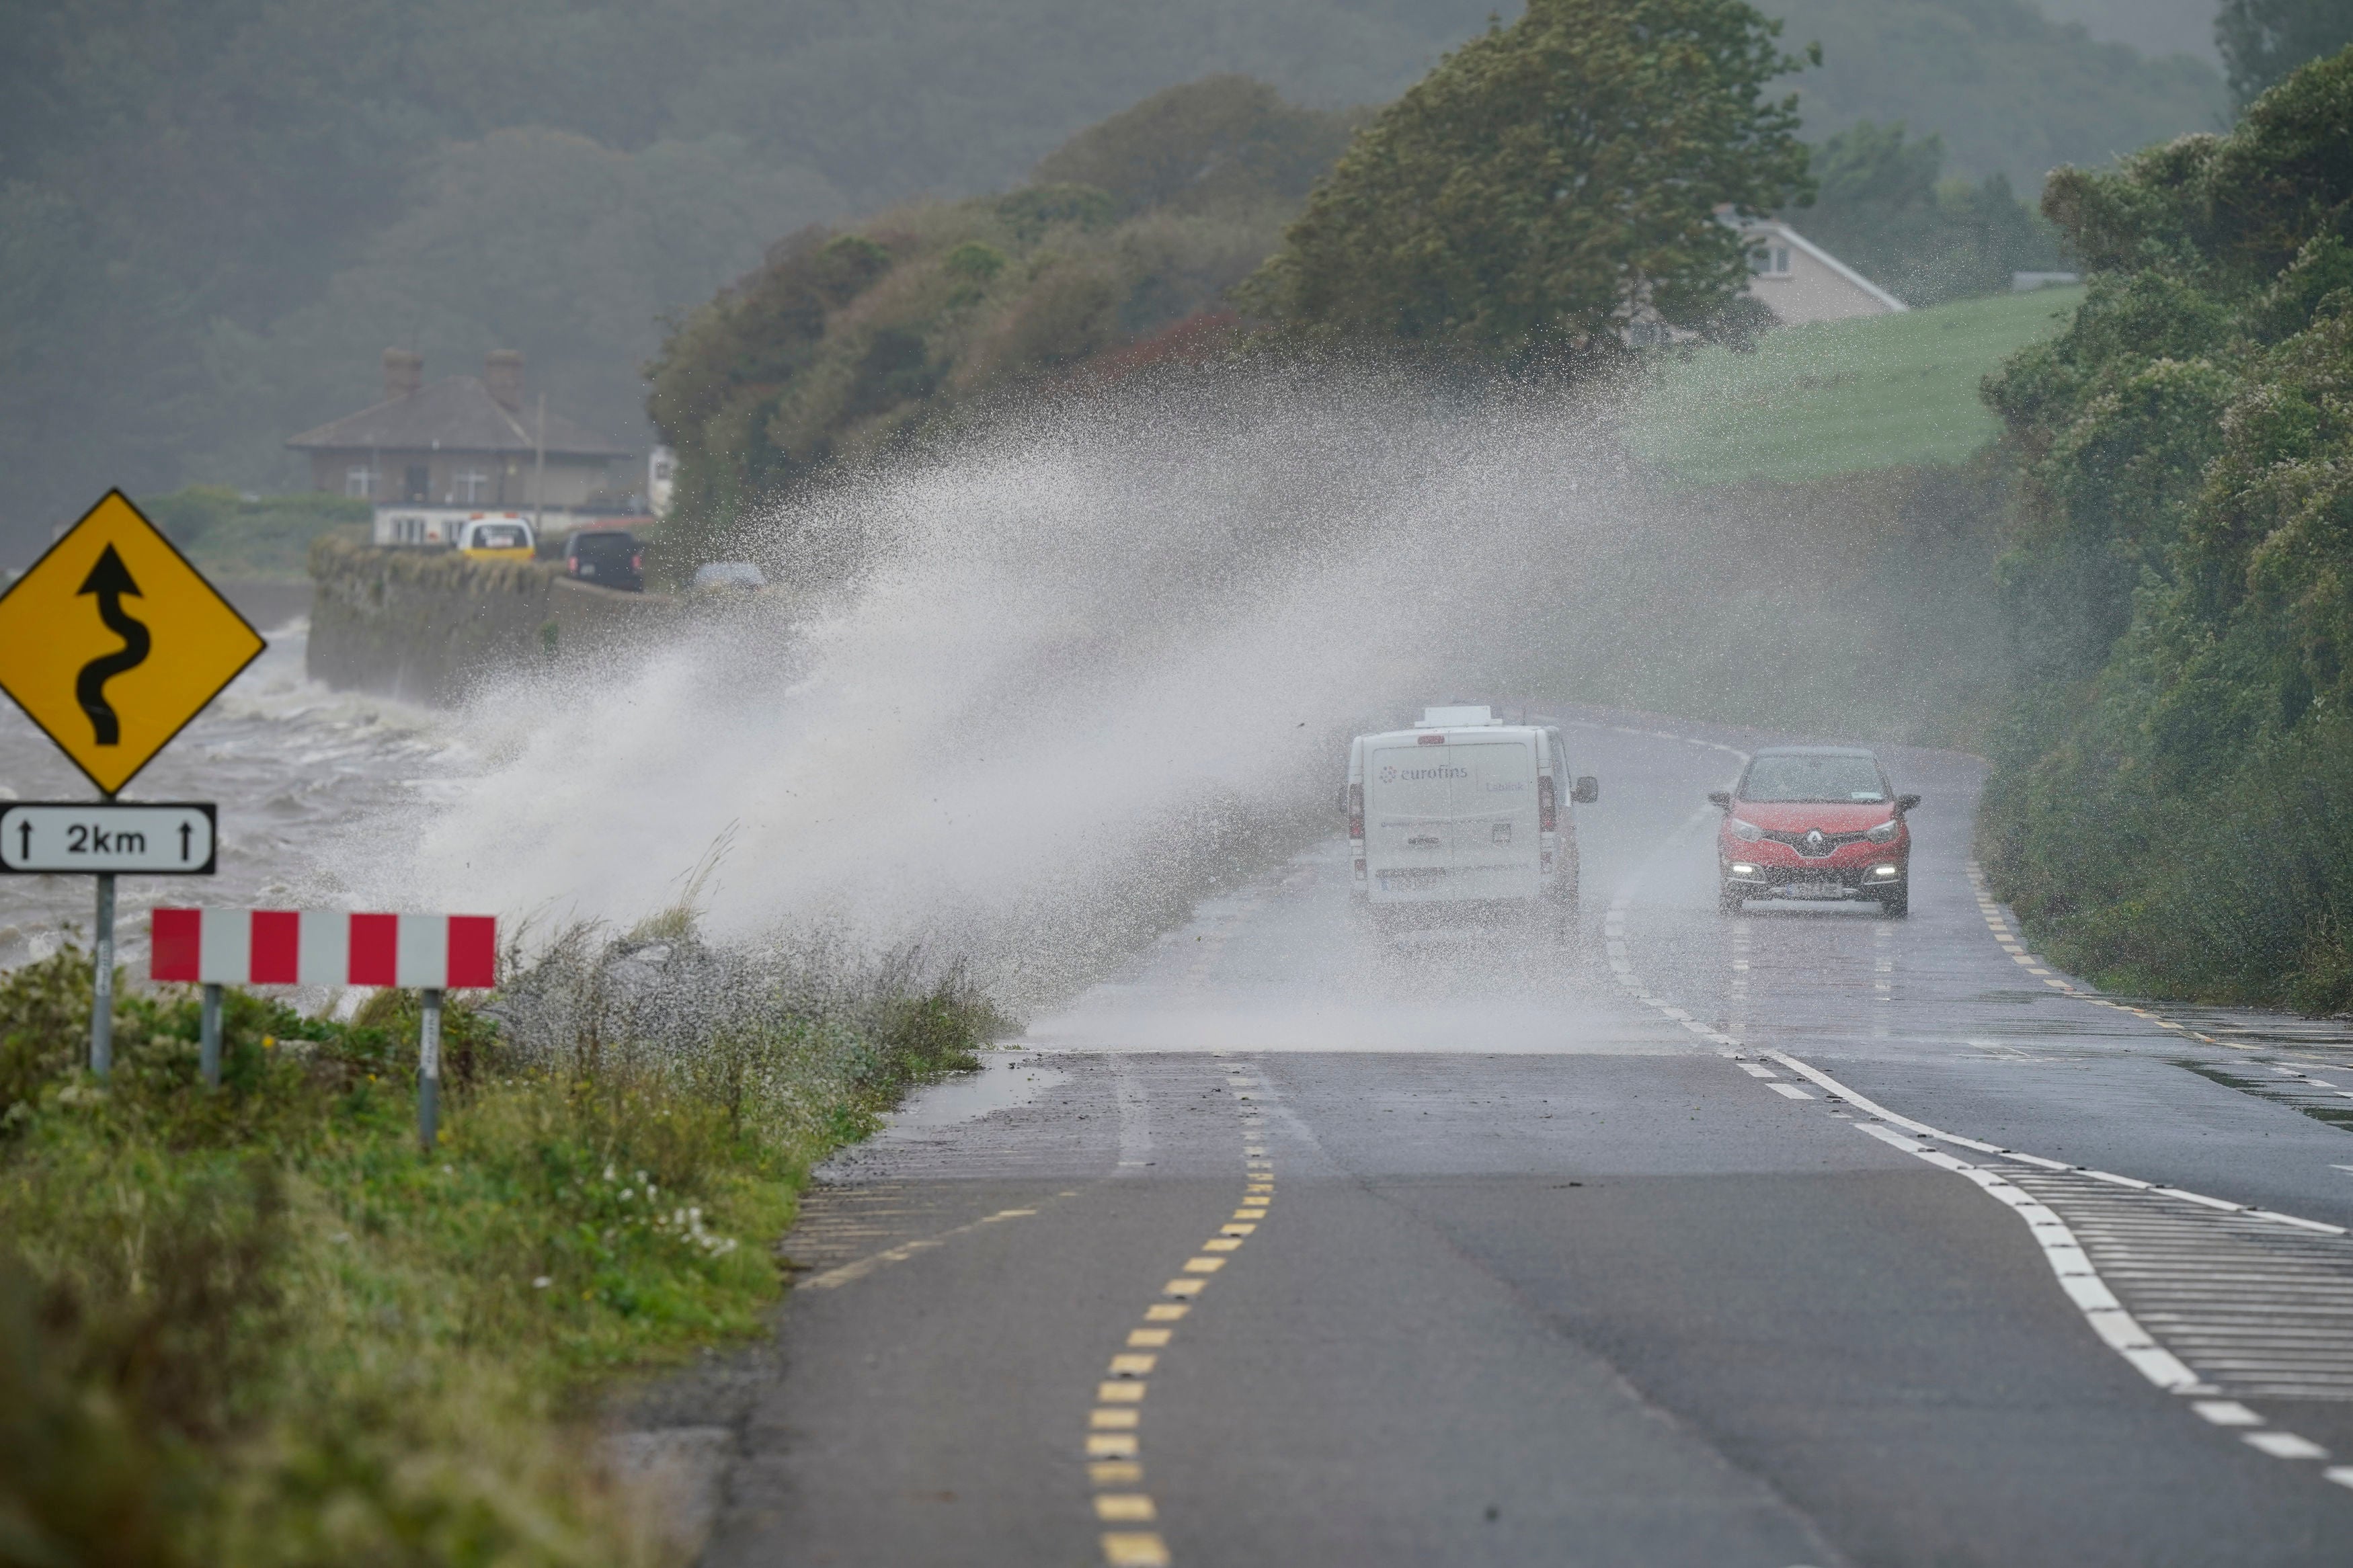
[(208, 1036), (112, 688), (102, 1005), (428, 1068)]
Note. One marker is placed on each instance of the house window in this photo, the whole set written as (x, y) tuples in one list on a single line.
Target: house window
[(466, 486), (415, 483), (360, 483), (1769, 261)]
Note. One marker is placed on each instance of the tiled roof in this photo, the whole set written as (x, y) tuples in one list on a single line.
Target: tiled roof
[(454, 416)]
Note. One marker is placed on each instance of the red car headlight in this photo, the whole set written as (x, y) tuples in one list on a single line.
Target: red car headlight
[(1747, 832)]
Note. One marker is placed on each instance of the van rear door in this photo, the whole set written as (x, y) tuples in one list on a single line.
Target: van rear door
[(1452, 821)]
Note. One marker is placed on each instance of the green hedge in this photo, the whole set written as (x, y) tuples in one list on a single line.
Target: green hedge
[(2170, 809)]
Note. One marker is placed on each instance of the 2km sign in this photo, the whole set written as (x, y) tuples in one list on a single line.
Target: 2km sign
[(160, 839), (112, 642)]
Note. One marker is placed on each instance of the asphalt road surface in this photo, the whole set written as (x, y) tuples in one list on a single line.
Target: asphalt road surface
[(1801, 1238)]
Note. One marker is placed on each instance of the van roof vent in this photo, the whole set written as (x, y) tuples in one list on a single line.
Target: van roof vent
[(1457, 718)]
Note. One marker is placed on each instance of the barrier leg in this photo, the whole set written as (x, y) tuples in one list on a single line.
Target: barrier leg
[(210, 1037), (429, 1070)]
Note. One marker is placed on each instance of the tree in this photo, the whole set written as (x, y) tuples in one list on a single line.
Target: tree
[(1881, 208), (2262, 40), (1215, 143), (1549, 184)]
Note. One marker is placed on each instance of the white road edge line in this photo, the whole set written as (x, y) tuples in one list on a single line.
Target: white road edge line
[(2118, 1328), (2077, 1278), (1833, 1086), (2107, 1316)]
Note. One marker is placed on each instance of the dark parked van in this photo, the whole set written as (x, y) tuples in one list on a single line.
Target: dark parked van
[(608, 558)]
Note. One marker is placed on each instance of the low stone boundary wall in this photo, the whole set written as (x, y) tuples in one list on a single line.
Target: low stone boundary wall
[(424, 624)]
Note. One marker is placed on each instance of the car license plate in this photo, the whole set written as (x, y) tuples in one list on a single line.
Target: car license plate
[(1816, 889)]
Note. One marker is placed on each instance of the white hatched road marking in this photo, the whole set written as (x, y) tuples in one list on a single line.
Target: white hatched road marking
[(2250, 1302), (2222, 1300)]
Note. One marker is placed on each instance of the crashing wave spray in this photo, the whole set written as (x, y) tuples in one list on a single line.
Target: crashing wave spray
[(1089, 660)]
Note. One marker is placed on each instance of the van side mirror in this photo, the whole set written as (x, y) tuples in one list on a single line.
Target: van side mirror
[(1906, 802), (1587, 791), (1721, 798)]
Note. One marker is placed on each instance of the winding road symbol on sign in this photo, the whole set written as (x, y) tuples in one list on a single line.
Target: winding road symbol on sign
[(110, 580), (109, 679)]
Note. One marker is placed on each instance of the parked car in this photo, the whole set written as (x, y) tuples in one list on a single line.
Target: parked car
[(1462, 812), (498, 537), (609, 557), (1814, 822), (738, 576)]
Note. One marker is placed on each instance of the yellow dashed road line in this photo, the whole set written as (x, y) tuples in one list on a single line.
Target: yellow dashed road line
[(1114, 1457), (1998, 924)]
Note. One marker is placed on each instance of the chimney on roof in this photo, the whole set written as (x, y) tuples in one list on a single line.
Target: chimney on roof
[(404, 372), (502, 373)]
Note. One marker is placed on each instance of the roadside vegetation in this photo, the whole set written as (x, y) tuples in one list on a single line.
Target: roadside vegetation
[(257, 1325), (1117, 256), (2172, 807)]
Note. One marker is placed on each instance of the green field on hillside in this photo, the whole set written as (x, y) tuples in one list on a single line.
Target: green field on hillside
[(1838, 396)]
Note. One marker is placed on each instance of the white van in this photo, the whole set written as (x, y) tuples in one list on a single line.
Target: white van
[(1463, 809)]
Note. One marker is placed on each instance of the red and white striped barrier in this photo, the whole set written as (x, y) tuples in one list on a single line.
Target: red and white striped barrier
[(320, 947)]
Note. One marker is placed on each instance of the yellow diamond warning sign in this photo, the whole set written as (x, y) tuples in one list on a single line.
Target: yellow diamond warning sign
[(112, 642)]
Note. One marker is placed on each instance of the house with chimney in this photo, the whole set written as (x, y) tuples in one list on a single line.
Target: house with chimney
[(466, 441)]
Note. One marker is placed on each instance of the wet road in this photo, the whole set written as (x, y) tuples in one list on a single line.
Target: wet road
[(1800, 1238)]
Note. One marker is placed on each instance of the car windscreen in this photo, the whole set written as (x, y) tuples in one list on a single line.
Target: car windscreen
[(603, 546), (1813, 778)]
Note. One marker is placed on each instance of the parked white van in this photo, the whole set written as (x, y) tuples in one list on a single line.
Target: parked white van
[(1463, 809)]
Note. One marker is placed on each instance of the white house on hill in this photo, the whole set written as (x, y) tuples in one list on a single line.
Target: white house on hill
[(1799, 281)]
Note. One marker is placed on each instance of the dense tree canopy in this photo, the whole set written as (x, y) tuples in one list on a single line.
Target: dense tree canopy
[(1881, 208), (2262, 40), (1550, 183), (845, 342), (214, 218), (2008, 90), (2175, 798)]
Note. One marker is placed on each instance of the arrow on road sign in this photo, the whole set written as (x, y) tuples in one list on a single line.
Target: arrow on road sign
[(110, 580), (160, 838), (111, 688)]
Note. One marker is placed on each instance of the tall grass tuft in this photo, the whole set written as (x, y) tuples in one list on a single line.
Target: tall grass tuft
[(259, 1325)]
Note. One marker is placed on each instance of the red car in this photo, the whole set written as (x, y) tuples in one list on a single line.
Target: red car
[(1814, 822)]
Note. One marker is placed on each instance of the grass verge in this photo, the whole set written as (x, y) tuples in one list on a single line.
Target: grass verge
[(1838, 397), (259, 1325), (266, 538)]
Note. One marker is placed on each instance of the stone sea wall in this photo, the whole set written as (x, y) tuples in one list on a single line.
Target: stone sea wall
[(424, 624)]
